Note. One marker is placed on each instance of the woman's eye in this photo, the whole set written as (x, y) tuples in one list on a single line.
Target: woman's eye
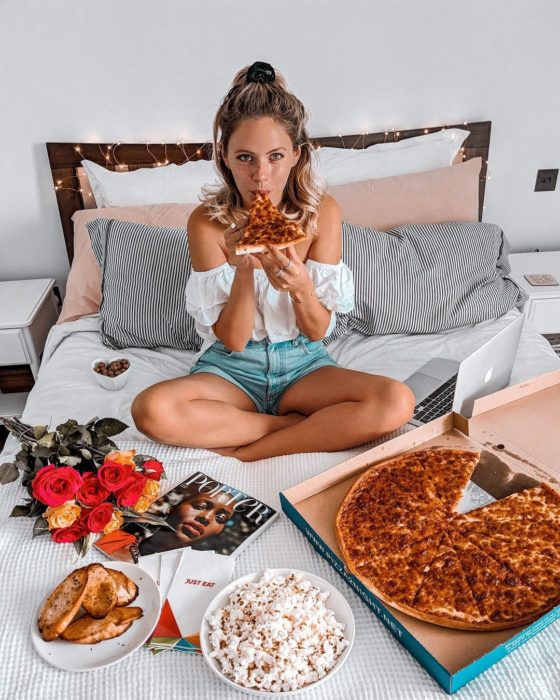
[(244, 158), (273, 156)]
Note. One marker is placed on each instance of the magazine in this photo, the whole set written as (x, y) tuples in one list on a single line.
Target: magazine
[(201, 513)]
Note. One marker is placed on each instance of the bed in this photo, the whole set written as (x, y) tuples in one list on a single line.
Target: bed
[(65, 387)]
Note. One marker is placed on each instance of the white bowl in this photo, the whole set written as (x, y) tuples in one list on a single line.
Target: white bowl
[(335, 602), (111, 383)]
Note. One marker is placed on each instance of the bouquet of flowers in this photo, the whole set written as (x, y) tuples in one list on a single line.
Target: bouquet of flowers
[(79, 482)]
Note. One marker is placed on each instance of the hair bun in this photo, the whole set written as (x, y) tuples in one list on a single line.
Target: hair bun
[(260, 72)]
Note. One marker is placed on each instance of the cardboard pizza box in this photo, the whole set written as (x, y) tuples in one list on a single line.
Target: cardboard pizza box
[(515, 431)]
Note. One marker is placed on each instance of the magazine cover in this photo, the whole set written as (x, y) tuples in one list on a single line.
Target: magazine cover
[(201, 513)]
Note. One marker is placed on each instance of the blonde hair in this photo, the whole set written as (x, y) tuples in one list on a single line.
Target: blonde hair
[(253, 100)]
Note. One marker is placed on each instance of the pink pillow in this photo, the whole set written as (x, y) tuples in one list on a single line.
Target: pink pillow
[(432, 197), (83, 288)]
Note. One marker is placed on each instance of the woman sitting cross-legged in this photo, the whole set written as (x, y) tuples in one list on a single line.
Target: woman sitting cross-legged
[(263, 384)]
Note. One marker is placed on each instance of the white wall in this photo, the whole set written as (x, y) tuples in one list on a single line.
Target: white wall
[(137, 70)]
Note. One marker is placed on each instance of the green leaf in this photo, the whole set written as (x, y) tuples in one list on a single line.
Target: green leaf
[(63, 451), (39, 431), (82, 546), (48, 440), (8, 472), (21, 512), (109, 427), (40, 527), (132, 516), (86, 454), (63, 428)]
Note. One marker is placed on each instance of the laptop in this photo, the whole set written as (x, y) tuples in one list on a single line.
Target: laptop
[(441, 385)]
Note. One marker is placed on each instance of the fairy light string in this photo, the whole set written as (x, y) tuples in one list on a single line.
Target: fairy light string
[(112, 161)]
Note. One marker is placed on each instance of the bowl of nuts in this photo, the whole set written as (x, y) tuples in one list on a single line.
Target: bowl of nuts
[(111, 374)]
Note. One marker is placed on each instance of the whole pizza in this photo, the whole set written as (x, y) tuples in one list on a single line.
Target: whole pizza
[(492, 568)]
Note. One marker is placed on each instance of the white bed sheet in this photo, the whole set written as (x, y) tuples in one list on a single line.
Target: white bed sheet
[(379, 667)]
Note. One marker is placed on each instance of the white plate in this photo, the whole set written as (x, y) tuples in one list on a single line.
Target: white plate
[(335, 602), (87, 657)]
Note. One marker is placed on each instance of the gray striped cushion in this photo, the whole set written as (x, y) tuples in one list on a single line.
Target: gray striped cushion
[(426, 278), (144, 274)]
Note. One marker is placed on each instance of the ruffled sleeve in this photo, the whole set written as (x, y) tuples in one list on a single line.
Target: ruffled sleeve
[(334, 285), (206, 295)]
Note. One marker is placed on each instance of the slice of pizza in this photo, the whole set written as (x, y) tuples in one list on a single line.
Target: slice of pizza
[(503, 599), (267, 226), (445, 594), (534, 569), (526, 517), (385, 573), (438, 474)]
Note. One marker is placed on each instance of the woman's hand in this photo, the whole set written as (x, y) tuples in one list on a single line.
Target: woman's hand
[(285, 270), (242, 262)]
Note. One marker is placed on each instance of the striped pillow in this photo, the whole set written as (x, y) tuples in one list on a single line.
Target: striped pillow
[(426, 278), (144, 274)]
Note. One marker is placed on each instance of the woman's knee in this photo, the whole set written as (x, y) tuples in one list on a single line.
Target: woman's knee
[(150, 409), (390, 408)]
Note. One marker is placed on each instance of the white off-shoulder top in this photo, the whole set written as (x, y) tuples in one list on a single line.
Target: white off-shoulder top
[(207, 293)]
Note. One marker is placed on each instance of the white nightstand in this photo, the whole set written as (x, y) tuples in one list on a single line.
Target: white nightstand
[(543, 306), (27, 312)]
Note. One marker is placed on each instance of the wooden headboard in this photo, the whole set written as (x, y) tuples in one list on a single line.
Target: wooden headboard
[(65, 160)]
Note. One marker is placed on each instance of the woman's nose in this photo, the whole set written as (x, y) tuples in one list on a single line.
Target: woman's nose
[(202, 519), (261, 171)]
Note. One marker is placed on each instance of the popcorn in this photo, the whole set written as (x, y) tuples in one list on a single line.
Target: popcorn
[(276, 634)]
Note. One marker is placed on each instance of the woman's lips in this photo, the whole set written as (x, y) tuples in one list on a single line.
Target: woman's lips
[(192, 529)]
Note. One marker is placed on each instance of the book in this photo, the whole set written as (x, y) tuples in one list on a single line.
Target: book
[(201, 513)]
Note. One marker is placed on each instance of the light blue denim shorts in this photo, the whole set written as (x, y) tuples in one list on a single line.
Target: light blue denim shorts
[(264, 370)]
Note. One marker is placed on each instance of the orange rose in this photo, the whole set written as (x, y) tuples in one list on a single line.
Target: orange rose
[(121, 457), (62, 516), (115, 523)]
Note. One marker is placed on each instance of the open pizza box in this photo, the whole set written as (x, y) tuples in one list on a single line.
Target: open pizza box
[(516, 432)]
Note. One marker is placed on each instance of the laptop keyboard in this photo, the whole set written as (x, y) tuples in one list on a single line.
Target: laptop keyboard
[(438, 403)]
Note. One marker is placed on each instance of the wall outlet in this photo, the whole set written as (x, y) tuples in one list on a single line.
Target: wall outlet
[(546, 180)]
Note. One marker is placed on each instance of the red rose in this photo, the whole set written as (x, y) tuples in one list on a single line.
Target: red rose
[(53, 486), (113, 476), (98, 517), (132, 490), (153, 469), (70, 534), (92, 492)]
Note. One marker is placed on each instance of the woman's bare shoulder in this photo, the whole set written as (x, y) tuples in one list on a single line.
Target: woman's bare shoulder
[(206, 240), (327, 245)]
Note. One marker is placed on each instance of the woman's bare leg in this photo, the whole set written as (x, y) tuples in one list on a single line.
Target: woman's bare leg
[(202, 410), (344, 408)]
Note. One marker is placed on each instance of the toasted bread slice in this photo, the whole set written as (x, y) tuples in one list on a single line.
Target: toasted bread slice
[(62, 605), (88, 630), (101, 592), (127, 590)]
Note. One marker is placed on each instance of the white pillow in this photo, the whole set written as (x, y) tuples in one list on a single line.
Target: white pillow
[(180, 184), (339, 166)]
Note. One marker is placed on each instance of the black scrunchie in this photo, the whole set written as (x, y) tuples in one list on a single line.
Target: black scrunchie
[(260, 72)]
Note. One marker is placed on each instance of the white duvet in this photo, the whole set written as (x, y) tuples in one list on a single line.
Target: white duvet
[(378, 666)]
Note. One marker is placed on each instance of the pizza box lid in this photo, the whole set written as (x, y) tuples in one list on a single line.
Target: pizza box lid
[(525, 413)]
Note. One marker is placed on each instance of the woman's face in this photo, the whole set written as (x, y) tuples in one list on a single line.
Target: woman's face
[(200, 517), (260, 156)]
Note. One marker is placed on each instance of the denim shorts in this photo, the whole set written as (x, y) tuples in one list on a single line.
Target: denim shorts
[(264, 370)]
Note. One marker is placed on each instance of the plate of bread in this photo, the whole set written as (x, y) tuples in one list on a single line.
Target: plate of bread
[(96, 616)]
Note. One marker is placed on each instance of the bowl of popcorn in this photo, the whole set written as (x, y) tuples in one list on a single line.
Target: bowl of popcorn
[(277, 631), (111, 374)]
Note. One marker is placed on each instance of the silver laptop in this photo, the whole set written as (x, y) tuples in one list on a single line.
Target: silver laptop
[(441, 385)]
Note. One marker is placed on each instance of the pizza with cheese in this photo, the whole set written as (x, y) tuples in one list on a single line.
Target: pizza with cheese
[(267, 226), (493, 568)]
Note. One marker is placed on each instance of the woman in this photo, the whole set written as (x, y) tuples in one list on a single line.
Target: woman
[(263, 384)]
